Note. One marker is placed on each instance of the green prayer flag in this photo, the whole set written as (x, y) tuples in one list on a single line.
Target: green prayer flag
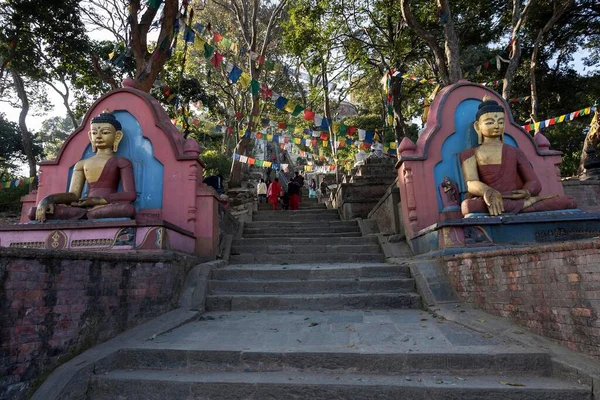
[(343, 129), (259, 163), (390, 110), (269, 65), (154, 4), (297, 110), (225, 43), (254, 87), (208, 51)]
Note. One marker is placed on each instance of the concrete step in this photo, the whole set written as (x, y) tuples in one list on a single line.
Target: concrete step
[(303, 235), (354, 301), (160, 385), (298, 215), (315, 206), (307, 241), (275, 248), (306, 230), (303, 224), (311, 257), (497, 361), (309, 271), (356, 285)]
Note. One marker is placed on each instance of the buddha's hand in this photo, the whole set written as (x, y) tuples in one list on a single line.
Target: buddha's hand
[(518, 194), (90, 202), (493, 200), (46, 206)]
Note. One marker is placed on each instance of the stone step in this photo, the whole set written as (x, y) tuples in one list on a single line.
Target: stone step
[(307, 241), (354, 301), (307, 230), (297, 215), (497, 361), (160, 385), (312, 272), (306, 258), (357, 285), (302, 235), (303, 224), (275, 248), (302, 206)]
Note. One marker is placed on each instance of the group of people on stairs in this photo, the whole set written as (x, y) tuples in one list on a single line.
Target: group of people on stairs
[(273, 192)]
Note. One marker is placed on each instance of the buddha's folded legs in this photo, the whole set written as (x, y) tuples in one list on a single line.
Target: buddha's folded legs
[(62, 212), (552, 204), (112, 211), (477, 205)]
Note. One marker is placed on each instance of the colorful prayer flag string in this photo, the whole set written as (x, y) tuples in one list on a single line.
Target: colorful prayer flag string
[(557, 120)]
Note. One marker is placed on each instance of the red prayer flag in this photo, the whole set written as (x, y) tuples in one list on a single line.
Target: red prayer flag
[(351, 130), (281, 125), (324, 136), (309, 115), (216, 59), (217, 37)]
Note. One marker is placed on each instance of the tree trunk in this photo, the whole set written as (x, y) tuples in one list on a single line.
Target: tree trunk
[(398, 123), (25, 134), (430, 39), (452, 43), (518, 19), (148, 66), (559, 11)]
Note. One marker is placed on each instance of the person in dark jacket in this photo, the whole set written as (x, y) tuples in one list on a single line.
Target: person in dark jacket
[(294, 194)]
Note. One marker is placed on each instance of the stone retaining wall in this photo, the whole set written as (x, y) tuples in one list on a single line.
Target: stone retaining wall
[(554, 289), (585, 193), (54, 305), (387, 212)]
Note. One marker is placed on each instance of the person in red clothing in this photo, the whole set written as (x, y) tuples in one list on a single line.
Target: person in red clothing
[(274, 192), (294, 194)]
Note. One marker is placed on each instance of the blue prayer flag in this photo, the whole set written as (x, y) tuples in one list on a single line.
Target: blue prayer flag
[(235, 74), (281, 102)]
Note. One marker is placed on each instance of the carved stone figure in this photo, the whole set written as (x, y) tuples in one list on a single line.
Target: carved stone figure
[(449, 193), (499, 177), (103, 172), (589, 166)]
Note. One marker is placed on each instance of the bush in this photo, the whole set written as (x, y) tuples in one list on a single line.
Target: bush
[(10, 199), (216, 163)]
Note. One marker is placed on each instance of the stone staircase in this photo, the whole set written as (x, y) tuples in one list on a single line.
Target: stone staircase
[(361, 191), (308, 259), (308, 310)]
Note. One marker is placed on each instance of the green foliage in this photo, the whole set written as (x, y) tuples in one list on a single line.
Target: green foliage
[(11, 151), (216, 163), (10, 199), (53, 133)]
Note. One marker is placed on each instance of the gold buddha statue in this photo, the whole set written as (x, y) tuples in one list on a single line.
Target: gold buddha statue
[(103, 173), (499, 177)]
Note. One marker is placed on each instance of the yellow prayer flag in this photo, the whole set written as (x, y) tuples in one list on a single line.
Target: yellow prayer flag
[(588, 110), (536, 126), (561, 118), (308, 167), (111, 55), (325, 143), (290, 106), (269, 137), (297, 140), (234, 48), (393, 145), (336, 127), (267, 164), (244, 80), (298, 129), (199, 43)]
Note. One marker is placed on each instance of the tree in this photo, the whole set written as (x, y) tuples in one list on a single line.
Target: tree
[(35, 29), (11, 151), (257, 38), (53, 133)]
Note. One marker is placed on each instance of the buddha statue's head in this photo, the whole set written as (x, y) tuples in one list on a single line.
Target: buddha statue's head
[(489, 121), (105, 132)]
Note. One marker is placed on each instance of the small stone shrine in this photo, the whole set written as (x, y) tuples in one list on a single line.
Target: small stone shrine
[(125, 180), (476, 179)]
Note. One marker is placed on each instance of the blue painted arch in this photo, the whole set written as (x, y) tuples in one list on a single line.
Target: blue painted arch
[(147, 170)]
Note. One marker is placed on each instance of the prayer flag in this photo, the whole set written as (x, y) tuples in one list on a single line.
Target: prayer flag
[(254, 87), (217, 37), (309, 115), (245, 80), (235, 74), (281, 102), (297, 110), (208, 50), (216, 59)]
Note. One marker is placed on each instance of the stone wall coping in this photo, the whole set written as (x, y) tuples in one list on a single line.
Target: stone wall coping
[(539, 249), (140, 256), (577, 182)]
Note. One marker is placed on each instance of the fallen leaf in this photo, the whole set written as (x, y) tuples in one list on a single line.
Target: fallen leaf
[(487, 336), (511, 383), (314, 324), (351, 345), (460, 379), (481, 320), (518, 332)]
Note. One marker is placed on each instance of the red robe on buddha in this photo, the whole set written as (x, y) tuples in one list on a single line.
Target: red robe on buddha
[(116, 169), (515, 173)]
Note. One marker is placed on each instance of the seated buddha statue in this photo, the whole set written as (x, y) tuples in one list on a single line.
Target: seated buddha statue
[(103, 172), (499, 177)]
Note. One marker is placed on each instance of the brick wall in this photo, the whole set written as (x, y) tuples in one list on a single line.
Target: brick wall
[(53, 305), (553, 289), (585, 193)]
